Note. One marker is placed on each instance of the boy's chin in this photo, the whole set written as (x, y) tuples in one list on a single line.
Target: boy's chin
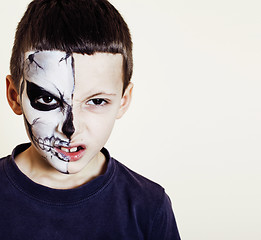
[(74, 168), (57, 164), (63, 167)]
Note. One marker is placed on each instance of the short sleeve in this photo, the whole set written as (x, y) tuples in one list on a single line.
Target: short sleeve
[(164, 225)]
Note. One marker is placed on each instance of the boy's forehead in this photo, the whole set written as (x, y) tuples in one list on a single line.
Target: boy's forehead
[(57, 69), (54, 65), (55, 60), (98, 72)]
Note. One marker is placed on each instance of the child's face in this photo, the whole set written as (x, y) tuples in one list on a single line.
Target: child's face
[(70, 103)]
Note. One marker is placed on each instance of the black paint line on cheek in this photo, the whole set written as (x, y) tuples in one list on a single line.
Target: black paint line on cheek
[(68, 128), (29, 128), (61, 100), (22, 89)]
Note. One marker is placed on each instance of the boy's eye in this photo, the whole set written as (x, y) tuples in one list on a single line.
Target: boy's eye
[(97, 102), (47, 100)]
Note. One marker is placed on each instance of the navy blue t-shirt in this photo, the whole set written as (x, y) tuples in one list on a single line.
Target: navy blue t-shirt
[(118, 205)]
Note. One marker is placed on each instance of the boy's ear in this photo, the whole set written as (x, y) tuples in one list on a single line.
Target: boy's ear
[(125, 100), (13, 96)]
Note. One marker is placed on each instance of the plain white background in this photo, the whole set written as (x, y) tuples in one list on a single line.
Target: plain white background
[(194, 124)]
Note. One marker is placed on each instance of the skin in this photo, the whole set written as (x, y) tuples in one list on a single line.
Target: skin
[(86, 99)]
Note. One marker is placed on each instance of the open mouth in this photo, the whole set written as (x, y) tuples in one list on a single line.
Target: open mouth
[(71, 153), (71, 150), (61, 149)]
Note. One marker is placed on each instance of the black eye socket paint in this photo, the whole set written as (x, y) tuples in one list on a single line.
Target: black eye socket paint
[(35, 93)]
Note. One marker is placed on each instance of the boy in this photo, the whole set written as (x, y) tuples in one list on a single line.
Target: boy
[(70, 77)]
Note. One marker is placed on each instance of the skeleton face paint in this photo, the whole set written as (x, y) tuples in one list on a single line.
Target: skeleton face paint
[(70, 104), (46, 95)]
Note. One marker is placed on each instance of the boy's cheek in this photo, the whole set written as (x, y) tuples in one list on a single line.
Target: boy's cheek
[(42, 123)]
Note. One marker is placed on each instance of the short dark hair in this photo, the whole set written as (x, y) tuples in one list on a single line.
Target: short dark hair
[(80, 26)]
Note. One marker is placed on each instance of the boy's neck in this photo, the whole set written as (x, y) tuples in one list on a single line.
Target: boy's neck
[(39, 171)]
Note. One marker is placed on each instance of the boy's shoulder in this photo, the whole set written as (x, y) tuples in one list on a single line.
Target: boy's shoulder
[(148, 201), (2, 160), (137, 185), (135, 178)]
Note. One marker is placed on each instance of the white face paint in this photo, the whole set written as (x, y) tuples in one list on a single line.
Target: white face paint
[(46, 95)]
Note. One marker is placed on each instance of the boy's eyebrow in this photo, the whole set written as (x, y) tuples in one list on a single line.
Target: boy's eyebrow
[(102, 93)]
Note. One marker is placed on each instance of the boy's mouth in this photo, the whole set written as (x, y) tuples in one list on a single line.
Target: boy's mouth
[(60, 149), (72, 153), (71, 150)]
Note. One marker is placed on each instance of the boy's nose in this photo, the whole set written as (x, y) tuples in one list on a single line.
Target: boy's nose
[(68, 128)]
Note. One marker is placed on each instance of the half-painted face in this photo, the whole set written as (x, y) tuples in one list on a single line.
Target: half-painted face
[(70, 103)]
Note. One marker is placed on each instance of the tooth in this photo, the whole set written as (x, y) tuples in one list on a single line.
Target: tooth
[(65, 149), (73, 149)]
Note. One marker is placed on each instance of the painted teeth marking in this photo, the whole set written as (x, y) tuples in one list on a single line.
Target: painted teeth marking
[(47, 144), (56, 142), (53, 151), (65, 149), (41, 143), (73, 149), (60, 156)]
